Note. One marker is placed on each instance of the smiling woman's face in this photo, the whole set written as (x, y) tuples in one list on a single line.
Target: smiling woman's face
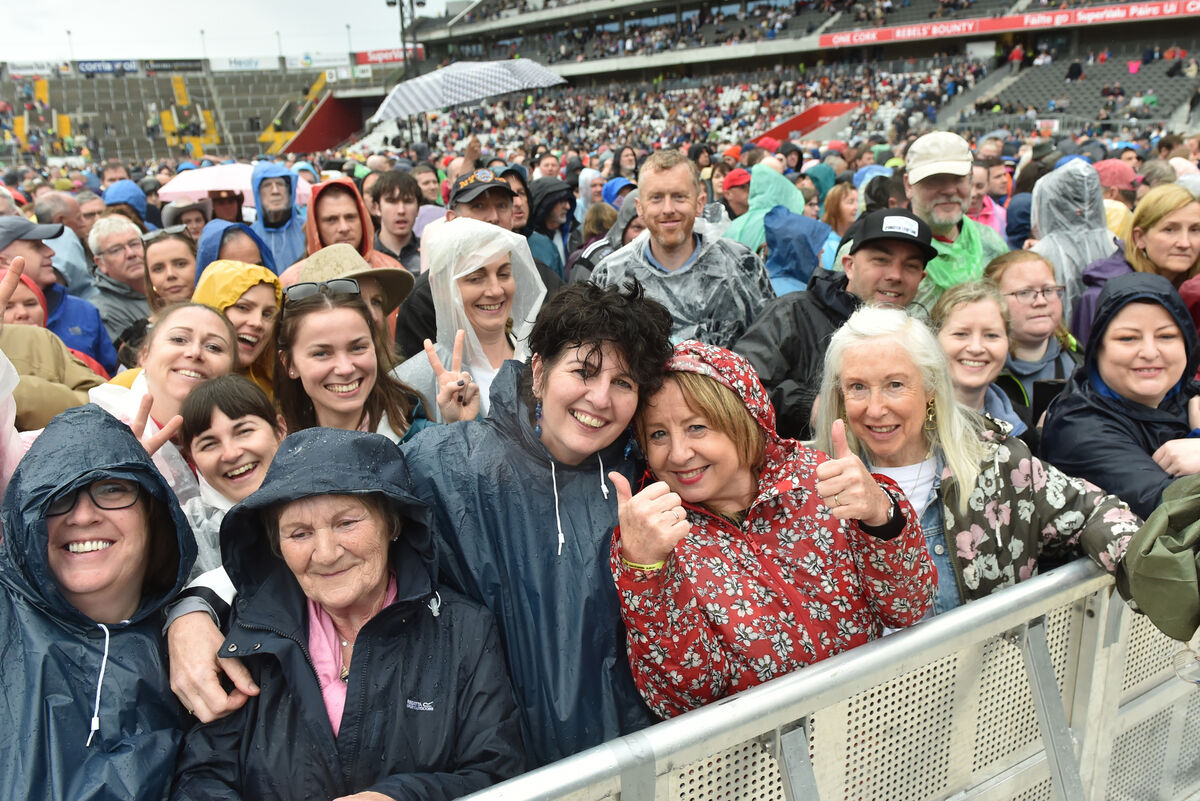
[(336, 547)]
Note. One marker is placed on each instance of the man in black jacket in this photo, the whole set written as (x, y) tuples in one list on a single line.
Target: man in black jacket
[(787, 343)]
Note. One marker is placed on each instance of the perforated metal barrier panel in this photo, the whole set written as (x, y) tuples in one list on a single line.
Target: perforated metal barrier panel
[(946, 710)]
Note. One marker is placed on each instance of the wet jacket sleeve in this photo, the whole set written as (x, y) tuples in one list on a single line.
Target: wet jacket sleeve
[(898, 577), (208, 768), (678, 660), (1100, 449), (1070, 514), (781, 355), (489, 737)]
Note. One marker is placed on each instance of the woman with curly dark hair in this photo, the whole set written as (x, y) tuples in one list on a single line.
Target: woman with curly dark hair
[(523, 509)]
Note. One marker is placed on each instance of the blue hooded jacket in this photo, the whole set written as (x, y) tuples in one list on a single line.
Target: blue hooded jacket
[(126, 191), (57, 658), (210, 245), (496, 493), (285, 241), (793, 247)]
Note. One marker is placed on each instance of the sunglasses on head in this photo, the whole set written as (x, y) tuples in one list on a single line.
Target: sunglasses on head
[(170, 230), (334, 286)]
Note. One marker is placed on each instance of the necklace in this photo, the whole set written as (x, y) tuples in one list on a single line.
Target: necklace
[(345, 674)]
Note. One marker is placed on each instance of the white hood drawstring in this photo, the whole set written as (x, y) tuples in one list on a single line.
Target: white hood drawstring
[(557, 517), (99, 684), (603, 486), (435, 603)]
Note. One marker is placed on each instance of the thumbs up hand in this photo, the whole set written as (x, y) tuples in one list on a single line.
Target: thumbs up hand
[(848, 488), (651, 521)]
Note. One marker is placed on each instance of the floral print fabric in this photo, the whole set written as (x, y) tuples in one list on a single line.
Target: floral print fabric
[(738, 605)]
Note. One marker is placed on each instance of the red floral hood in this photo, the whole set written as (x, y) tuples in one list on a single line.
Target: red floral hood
[(732, 370)]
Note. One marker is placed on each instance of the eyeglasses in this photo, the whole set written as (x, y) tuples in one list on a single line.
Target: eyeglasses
[(334, 286), (133, 245), (110, 493), (1030, 295), (153, 236)]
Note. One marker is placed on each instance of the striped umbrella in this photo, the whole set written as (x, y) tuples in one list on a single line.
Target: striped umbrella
[(463, 82)]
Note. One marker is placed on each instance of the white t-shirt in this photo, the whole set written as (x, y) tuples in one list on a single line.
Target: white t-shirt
[(915, 480)]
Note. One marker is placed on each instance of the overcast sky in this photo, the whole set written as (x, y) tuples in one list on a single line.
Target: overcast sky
[(166, 29)]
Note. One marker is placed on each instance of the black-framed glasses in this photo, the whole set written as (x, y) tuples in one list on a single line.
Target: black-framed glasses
[(1030, 295), (109, 493), (334, 286), (153, 236)]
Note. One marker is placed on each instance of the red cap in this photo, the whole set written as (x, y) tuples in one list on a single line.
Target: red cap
[(734, 152), (1115, 173), (738, 177), (768, 143)]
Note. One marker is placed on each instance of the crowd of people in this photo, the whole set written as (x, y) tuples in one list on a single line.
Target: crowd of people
[(486, 455), (728, 107)]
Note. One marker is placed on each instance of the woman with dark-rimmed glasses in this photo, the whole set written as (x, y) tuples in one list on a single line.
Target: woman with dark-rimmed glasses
[(334, 370)]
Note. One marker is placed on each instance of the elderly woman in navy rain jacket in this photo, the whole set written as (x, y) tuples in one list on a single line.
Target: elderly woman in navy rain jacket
[(1129, 419), (373, 682), (94, 545)]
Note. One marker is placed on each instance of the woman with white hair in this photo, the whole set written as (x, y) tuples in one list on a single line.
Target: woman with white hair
[(988, 507), (486, 294)]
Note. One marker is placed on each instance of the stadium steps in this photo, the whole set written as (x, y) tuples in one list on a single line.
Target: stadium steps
[(1037, 85), (993, 84)]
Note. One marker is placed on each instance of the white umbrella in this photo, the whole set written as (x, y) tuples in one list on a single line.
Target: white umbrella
[(463, 82), (196, 184)]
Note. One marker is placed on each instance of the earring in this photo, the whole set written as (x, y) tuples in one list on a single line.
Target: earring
[(537, 416), (930, 416)]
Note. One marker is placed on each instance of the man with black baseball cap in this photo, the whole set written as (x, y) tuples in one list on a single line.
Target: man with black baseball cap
[(884, 264), (481, 195), (76, 321)]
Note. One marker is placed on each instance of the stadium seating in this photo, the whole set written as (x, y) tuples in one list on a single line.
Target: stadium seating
[(1038, 85)]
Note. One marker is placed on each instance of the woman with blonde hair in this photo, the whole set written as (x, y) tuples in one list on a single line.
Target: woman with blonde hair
[(971, 324), (840, 211), (1163, 238), (988, 508), (1042, 354)]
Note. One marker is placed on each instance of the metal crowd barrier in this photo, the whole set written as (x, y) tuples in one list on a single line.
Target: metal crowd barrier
[(1052, 689)]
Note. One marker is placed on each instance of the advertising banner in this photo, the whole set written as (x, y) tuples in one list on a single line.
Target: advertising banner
[(30, 68), (244, 64), (173, 65), (105, 67), (1165, 9), (392, 55), (317, 61)]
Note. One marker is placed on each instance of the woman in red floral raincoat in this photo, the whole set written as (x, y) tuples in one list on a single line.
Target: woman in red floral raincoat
[(747, 556)]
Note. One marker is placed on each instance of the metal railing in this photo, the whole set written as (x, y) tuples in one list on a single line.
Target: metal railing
[(1050, 689)]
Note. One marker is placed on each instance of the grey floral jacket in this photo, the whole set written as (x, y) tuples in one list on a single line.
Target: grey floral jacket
[(1021, 507)]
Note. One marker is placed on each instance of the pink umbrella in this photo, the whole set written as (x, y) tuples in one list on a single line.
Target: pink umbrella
[(196, 184)]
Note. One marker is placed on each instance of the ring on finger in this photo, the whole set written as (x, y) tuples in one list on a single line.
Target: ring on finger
[(674, 514), (836, 502)]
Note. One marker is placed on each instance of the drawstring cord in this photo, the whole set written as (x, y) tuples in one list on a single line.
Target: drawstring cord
[(557, 517), (99, 684), (435, 603), (603, 486)]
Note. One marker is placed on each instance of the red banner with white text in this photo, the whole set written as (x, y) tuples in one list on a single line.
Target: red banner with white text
[(1164, 9)]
